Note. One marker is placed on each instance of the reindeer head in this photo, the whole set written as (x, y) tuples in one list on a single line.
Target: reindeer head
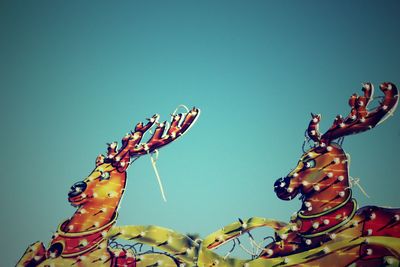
[(325, 164), (106, 183)]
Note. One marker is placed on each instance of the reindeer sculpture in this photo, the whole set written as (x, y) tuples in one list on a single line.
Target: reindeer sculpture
[(83, 239), (328, 210), (329, 229)]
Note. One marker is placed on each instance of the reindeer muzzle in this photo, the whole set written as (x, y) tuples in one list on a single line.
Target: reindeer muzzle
[(281, 189), (77, 189)]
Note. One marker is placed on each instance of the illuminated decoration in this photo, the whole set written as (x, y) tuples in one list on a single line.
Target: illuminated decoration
[(84, 239), (328, 230)]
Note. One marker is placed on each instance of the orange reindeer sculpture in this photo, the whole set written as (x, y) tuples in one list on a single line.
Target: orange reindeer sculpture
[(328, 212), (82, 239)]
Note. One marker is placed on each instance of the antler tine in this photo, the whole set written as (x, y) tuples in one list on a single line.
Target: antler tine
[(188, 121), (140, 128), (174, 127), (121, 158), (360, 119), (175, 130), (131, 146)]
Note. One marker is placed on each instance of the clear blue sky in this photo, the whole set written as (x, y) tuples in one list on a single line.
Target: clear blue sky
[(76, 75)]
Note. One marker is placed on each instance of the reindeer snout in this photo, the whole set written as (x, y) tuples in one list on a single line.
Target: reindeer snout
[(77, 188), (280, 184), (281, 188)]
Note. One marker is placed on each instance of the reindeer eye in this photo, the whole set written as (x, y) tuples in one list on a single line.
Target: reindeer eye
[(104, 176), (309, 163)]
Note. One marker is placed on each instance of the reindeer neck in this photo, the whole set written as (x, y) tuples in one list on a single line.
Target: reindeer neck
[(328, 221), (327, 198), (101, 209), (327, 208), (87, 229), (331, 190), (92, 216)]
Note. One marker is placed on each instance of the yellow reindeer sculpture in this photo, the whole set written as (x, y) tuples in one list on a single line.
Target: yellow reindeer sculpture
[(83, 240)]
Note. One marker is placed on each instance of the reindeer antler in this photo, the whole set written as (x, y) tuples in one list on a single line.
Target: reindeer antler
[(131, 146), (359, 119)]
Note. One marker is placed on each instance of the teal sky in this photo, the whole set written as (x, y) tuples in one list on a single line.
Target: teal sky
[(76, 75)]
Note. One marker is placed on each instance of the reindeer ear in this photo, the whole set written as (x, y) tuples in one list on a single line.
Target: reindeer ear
[(316, 116), (313, 128), (100, 160), (34, 255)]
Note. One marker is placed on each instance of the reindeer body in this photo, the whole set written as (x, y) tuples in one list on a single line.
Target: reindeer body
[(83, 239)]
